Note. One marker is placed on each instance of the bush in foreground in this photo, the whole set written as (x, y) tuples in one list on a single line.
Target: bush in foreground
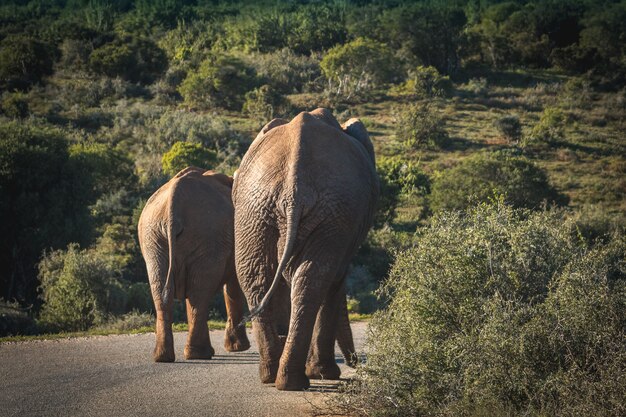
[(499, 312)]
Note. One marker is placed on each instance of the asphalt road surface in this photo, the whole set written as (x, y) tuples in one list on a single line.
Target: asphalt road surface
[(115, 376)]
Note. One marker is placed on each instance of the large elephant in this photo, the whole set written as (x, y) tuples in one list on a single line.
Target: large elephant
[(304, 199), (186, 238)]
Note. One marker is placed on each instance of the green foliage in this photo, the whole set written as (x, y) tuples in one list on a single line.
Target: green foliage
[(14, 105), (132, 58), (420, 125), (397, 178), (316, 27), (42, 202), (263, 103), (357, 67), (498, 312), (24, 61), (286, 71), (220, 81), (425, 33), (184, 154), (425, 82), (485, 176), (509, 127), (550, 128), (78, 289)]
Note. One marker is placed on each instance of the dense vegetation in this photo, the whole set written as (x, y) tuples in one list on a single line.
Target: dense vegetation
[(499, 312), (466, 102)]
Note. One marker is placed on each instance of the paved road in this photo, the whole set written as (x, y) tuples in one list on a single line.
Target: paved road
[(115, 376)]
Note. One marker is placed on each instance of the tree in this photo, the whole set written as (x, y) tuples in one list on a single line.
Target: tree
[(184, 154), (429, 34), (24, 61), (357, 67), (42, 203)]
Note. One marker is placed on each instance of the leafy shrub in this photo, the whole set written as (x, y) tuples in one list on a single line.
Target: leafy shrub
[(419, 125), (498, 312), (134, 59), (286, 71), (14, 105), (75, 54), (550, 128), (483, 176), (397, 177), (43, 202), (264, 103), (184, 154), (23, 61), (220, 81), (509, 128), (426, 82), (477, 86), (576, 92), (78, 289), (135, 320), (357, 67)]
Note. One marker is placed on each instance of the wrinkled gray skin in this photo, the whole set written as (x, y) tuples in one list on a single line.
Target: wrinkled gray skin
[(304, 199), (186, 238)]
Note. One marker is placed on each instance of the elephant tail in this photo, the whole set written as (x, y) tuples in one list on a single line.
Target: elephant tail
[(173, 229), (292, 229)]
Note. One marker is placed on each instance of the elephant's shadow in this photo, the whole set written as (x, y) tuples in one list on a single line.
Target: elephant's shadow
[(237, 359)]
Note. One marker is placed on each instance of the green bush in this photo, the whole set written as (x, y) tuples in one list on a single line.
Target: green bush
[(498, 312), (220, 81), (14, 105), (397, 177), (184, 154), (264, 103), (23, 61), (425, 82), (509, 128), (358, 67), (134, 59), (550, 129), (78, 289), (419, 125), (286, 71), (484, 176)]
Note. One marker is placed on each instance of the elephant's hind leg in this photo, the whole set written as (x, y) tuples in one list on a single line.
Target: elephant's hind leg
[(198, 343), (157, 271), (321, 362), (235, 337), (164, 349), (308, 286)]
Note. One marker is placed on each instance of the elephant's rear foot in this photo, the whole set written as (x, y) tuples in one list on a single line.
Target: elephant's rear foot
[(199, 352), (292, 381), (162, 354), (236, 340), (323, 370), (268, 372)]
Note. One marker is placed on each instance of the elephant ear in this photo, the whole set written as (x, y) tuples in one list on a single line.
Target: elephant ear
[(355, 128), (271, 125)]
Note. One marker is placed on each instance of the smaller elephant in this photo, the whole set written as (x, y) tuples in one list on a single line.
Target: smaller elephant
[(186, 238)]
